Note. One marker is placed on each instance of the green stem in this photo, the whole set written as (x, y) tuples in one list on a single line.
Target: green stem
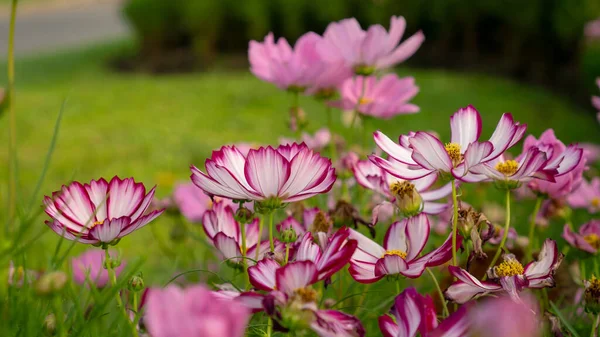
[(287, 253), (582, 270), (536, 209), (397, 286), (440, 292), (244, 252), (454, 224), (260, 230), (113, 281), (269, 327), (271, 241), (12, 120), (59, 316), (594, 332), (505, 234)]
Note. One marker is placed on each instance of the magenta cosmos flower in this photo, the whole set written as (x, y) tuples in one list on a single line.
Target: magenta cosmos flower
[(380, 98), (224, 232), (425, 154), (414, 315), (91, 264), (99, 212), (289, 173), (586, 196), (367, 51), (400, 191), (502, 317), (587, 238), (555, 151), (195, 311), (510, 276), (400, 255)]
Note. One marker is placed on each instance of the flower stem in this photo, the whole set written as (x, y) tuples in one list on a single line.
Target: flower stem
[(269, 327), (595, 326), (260, 230), (505, 234), (454, 223), (59, 316), (536, 209), (397, 286), (287, 253), (271, 242), (440, 292), (113, 281), (244, 262), (12, 120)]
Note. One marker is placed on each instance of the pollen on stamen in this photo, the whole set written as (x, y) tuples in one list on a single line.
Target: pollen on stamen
[(453, 151), (509, 268), (508, 168), (593, 240), (96, 223), (402, 189), (364, 100), (395, 252), (595, 202)]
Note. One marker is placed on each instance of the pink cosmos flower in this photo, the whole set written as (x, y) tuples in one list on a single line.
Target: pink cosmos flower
[(591, 152), (195, 311), (414, 315), (191, 201), (383, 98), (325, 259), (587, 238), (403, 243), (366, 51), (318, 142), (288, 173), (99, 212), (555, 149), (502, 317), (510, 276), (425, 154), (372, 177), (586, 196), (224, 232), (91, 264)]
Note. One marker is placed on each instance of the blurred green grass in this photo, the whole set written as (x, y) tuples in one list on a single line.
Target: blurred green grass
[(154, 127)]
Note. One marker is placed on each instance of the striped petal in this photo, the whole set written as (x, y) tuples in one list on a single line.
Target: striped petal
[(465, 125)]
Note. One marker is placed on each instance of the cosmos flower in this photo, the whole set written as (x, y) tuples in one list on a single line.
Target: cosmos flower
[(500, 317), (191, 201), (367, 51), (401, 192), (403, 243), (380, 98), (587, 238), (91, 264), (414, 315), (195, 311), (510, 276), (275, 176), (99, 212), (317, 142), (586, 196), (422, 153)]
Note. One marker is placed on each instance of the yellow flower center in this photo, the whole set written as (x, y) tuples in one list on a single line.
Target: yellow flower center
[(96, 223), (364, 100), (596, 202), (402, 189), (509, 268), (508, 168), (453, 150), (305, 295), (593, 240), (395, 252), (592, 289)]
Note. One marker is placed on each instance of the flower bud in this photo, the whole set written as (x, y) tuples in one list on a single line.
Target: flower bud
[(289, 235), (408, 199), (50, 324), (112, 262), (136, 283), (51, 283), (243, 215), (592, 295)]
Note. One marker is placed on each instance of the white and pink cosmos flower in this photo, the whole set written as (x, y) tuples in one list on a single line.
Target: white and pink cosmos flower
[(380, 98), (401, 252), (367, 51), (224, 232), (419, 154), (586, 196), (587, 237), (503, 316), (285, 174), (414, 315), (100, 212), (508, 277), (374, 178)]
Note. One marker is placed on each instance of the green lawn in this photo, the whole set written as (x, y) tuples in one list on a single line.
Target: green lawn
[(153, 128)]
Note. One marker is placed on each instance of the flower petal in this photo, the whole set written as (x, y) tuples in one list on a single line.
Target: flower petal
[(390, 265), (467, 287), (430, 153), (109, 230), (266, 171), (465, 125), (262, 275), (394, 150), (296, 275)]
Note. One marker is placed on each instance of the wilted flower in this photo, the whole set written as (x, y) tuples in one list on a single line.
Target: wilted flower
[(502, 317), (510, 276), (400, 255), (90, 266), (422, 153), (267, 175), (592, 295), (314, 220), (414, 315), (383, 98), (99, 212), (587, 239), (191, 201), (586, 196), (367, 51), (195, 311)]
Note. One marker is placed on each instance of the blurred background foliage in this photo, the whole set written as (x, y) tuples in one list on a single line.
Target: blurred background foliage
[(538, 41)]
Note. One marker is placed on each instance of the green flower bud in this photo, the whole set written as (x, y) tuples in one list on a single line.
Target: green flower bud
[(289, 235), (136, 283), (408, 199), (243, 215), (51, 283)]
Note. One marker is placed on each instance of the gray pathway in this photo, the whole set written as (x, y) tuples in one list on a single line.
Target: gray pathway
[(47, 30)]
